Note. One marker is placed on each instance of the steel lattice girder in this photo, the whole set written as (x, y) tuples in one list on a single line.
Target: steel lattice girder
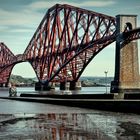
[(6, 56), (5, 74), (7, 59), (129, 36), (65, 42)]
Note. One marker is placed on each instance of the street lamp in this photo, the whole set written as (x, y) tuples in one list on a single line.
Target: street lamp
[(106, 79)]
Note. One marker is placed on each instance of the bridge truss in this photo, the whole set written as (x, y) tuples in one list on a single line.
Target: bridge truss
[(65, 42), (7, 59)]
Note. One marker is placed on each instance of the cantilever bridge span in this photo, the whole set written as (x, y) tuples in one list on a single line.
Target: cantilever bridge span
[(65, 42)]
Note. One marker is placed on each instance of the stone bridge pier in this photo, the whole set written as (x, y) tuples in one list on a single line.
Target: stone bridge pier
[(126, 77)]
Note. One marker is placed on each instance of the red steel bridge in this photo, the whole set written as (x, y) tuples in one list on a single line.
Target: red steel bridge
[(65, 42)]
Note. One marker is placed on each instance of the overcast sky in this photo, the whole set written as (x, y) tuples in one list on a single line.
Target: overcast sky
[(20, 18)]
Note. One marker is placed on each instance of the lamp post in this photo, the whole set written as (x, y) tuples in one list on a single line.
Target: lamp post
[(106, 79)]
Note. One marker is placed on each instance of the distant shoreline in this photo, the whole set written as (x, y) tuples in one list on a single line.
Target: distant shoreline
[(20, 81)]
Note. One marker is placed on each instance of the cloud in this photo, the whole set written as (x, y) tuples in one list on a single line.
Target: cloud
[(21, 23), (17, 28), (47, 4), (22, 30), (24, 17), (29, 15), (3, 28)]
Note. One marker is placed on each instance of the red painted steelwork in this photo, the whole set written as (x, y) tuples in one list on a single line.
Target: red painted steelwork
[(130, 36), (7, 59), (66, 41)]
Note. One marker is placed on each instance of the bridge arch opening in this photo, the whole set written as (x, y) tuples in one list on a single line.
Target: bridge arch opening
[(103, 61), (23, 74), (128, 26)]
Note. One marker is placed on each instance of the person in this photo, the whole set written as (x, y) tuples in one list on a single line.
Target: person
[(12, 90)]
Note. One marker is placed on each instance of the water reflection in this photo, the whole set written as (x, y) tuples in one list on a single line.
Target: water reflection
[(53, 127), (69, 126)]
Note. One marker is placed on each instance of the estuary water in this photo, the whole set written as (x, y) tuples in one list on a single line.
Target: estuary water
[(84, 90), (35, 121)]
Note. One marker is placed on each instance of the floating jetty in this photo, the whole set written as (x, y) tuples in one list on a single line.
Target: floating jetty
[(109, 102)]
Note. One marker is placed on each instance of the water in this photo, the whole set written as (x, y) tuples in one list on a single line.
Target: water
[(72, 126), (36, 121), (85, 90)]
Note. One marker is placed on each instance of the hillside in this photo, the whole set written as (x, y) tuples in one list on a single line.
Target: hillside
[(97, 80), (20, 81), (86, 81)]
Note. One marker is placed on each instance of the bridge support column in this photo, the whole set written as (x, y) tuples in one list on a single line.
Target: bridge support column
[(75, 85), (6, 84), (64, 85), (1, 84), (126, 66), (51, 86), (40, 87)]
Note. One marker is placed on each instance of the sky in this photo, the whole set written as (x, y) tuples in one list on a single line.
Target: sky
[(19, 20)]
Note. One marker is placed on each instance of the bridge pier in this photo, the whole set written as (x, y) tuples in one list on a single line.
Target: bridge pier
[(38, 86), (1, 84), (64, 85), (75, 85), (42, 87), (70, 85), (126, 66), (6, 84)]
